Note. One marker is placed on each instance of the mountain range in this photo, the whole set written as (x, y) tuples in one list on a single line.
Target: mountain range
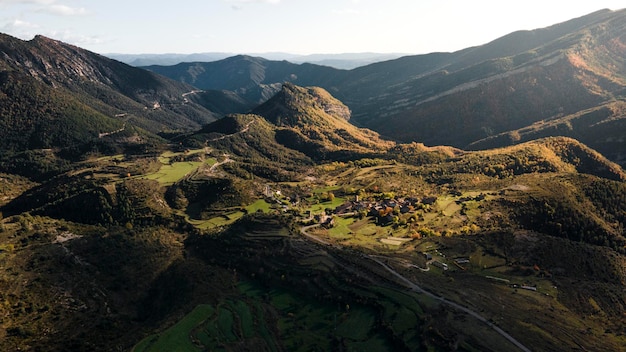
[(340, 61), (451, 201), (567, 79)]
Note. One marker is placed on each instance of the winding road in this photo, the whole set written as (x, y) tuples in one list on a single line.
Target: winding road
[(243, 130), (185, 100), (213, 167), (416, 288)]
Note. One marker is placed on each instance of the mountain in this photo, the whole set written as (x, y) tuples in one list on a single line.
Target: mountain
[(341, 61), (567, 79), (525, 85), (295, 128), (314, 122), (58, 102), (253, 78), (508, 84), (55, 95)]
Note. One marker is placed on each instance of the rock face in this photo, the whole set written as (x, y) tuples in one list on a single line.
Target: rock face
[(330, 105), (55, 62)]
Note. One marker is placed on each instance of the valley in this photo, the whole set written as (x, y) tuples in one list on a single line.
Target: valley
[(386, 239), (240, 205)]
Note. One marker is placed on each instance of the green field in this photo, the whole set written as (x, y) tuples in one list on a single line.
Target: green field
[(230, 217), (264, 319), (211, 329), (171, 172), (176, 338), (259, 205), (341, 229), (319, 207), (222, 220)]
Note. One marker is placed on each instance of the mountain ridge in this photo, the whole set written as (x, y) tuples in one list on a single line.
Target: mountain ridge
[(339, 61), (463, 97), (107, 92)]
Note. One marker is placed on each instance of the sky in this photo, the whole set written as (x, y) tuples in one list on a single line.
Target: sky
[(288, 26)]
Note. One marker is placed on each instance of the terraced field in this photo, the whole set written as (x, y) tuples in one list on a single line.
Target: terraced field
[(270, 320)]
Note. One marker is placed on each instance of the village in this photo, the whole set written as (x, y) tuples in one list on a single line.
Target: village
[(392, 215), (385, 208)]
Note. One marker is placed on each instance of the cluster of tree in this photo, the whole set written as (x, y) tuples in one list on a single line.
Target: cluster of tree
[(565, 218), (37, 165), (142, 202), (503, 165), (609, 197), (209, 195), (85, 200), (34, 115), (418, 154)]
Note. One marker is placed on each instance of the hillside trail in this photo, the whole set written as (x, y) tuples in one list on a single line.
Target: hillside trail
[(185, 100), (243, 130), (214, 167)]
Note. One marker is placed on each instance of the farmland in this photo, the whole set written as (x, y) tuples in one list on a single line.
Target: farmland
[(285, 321), (172, 170), (279, 289)]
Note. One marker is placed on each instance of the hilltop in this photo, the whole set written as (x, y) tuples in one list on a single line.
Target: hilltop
[(314, 122)]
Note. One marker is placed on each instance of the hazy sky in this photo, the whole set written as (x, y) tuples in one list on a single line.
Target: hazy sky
[(294, 26)]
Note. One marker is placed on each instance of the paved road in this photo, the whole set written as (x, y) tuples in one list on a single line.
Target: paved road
[(185, 100), (416, 288), (303, 231), (243, 130), (443, 300)]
